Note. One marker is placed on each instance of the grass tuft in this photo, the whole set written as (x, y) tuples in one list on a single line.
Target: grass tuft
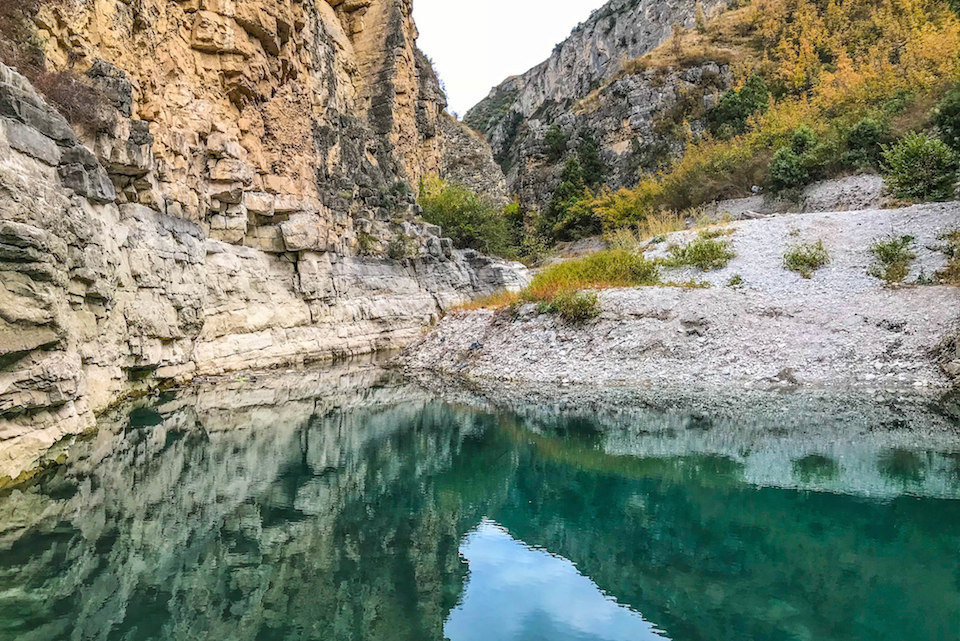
[(892, 258), (950, 274), (806, 258), (574, 307), (706, 252)]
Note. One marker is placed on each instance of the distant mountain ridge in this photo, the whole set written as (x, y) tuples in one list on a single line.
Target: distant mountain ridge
[(593, 54)]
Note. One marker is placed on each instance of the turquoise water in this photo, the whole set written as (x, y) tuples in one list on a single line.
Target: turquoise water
[(385, 514)]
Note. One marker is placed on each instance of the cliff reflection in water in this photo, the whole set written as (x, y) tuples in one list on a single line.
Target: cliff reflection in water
[(347, 506)]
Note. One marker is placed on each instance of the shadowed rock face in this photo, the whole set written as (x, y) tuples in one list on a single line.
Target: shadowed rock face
[(241, 200), (333, 504)]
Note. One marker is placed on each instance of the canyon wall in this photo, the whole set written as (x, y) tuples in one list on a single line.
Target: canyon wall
[(590, 89), (238, 194)]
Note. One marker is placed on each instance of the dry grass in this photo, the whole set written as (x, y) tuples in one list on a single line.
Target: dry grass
[(654, 226), (604, 270), (496, 300)]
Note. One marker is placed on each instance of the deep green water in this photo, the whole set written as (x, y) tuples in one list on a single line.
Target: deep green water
[(383, 514)]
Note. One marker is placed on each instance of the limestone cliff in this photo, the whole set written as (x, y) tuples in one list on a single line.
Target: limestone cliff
[(241, 197), (588, 88)]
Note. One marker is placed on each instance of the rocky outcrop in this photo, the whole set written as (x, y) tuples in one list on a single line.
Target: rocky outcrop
[(587, 88), (240, 197)]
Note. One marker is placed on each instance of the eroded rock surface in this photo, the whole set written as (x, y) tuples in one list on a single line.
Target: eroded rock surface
[(242, 198)]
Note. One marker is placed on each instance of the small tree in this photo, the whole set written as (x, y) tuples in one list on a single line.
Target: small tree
[(921, 168), (556, 142), (865, 143), (588, 152)]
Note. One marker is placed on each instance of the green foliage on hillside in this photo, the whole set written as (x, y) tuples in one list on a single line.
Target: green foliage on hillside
[(730, 116), (822, 89), (947, 118), (921, 168), (472, 221)]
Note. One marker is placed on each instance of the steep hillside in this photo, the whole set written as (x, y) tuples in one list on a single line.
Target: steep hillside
[(518, 113), (234, 190)]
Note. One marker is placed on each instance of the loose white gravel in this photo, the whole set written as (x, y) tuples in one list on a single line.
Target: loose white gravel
[(841, 328)]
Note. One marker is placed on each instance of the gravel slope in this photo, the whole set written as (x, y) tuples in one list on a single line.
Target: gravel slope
[(841, 328)]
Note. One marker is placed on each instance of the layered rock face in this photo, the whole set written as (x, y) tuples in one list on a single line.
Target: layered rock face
[(585, 89), (240, 199)]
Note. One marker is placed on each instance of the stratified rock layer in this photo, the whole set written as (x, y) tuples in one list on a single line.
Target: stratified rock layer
[(241, 199)]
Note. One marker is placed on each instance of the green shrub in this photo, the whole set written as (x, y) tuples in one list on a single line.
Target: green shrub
[(806, 258), (947, 117), (472, 221), (706, 253), (892, 259), (788, 170), (401, 247), (736, 281), (570, 214), (950, 273), (921, 168), (556, 142), (574, 306), (730, 115), (366, 243), (865, 142), (803, 141), (588, 152)]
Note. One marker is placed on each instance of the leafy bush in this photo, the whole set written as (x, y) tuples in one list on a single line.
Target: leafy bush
[(804, 140), (892, 259), (730, 115), (947, 117), (806, 258), (574, 306), (921, 167), (706, 253), (472, 221), (788, 170), (627, 207), (367, 244), (865, 142), (556, 142)]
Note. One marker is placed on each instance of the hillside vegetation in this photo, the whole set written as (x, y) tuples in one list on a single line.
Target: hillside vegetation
[(824, 88)]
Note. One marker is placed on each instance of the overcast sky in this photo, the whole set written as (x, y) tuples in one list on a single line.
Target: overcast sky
[(475, 45)]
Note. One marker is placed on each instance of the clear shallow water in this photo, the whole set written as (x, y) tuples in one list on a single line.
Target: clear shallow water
[(352, 509)]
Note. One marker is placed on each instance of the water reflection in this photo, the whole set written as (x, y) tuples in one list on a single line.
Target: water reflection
[(348, 506), (518, 593)]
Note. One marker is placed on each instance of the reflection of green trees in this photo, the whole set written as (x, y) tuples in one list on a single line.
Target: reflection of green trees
[(347, 526), (815, 468), (903, 466)]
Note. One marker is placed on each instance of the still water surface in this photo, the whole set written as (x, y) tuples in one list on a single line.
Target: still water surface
[(380, 513)]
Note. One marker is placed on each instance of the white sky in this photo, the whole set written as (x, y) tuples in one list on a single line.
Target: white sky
[(475, 45)]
